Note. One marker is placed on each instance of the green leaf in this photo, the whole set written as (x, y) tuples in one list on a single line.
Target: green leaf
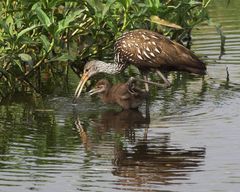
[(72, 16), (11, 25), (64, 57), (4, 26), (45, 42), (42, 16), (107, 7), (25, 57), (21, 33), (18, 63)]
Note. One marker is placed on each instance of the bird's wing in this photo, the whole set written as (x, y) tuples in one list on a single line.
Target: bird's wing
[(119, 92), (149, 49)]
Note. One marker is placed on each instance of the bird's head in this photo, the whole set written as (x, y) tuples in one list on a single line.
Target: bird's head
[(102, 86), (90, 69), (131, 84)]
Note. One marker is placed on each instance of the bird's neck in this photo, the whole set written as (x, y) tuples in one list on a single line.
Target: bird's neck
[(112, 68)]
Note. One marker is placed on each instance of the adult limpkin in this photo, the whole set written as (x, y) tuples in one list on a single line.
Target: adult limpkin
[(126, 95), (147, 50)]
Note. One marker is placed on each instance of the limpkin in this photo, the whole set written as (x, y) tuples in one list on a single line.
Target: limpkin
[(127, 95), (147, 50)]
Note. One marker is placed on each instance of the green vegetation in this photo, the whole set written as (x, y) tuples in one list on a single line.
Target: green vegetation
[(42, 40)]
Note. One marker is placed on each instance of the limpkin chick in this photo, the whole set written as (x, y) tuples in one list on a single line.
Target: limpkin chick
[(147, 50), (127, 95)]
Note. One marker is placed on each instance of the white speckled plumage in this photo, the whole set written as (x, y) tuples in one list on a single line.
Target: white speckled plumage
[(146, 50), (152, 50)]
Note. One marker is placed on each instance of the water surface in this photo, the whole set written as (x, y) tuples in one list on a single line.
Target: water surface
[(189, 140)]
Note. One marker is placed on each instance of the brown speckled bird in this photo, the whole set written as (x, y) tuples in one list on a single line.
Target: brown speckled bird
[(127, 95), (147, 50)]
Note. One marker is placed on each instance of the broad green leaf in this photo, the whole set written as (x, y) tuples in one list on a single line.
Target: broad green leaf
[(157, 3), (154, 3), (64, 57), (64, 23), (45, 42), (10, 23), (42, 16), (18, 63), (25, 57), (95, 5), (107, 7), (159, 21), (26, 30), (4, 26)]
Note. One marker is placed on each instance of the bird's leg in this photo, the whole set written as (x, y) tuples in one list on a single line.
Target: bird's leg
[(145, 83), (166, 82), (148, 82)]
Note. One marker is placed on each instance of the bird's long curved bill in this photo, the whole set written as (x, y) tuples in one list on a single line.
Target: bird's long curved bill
[(80, 86)]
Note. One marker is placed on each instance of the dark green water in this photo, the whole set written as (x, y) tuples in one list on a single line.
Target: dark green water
[(190, 143)]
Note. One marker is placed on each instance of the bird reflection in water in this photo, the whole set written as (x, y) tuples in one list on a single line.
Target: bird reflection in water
[(155, 161), (83, 134), (139, 159), (122, 123)]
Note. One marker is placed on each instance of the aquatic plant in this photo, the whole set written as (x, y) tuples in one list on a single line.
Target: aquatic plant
[(42, 40)]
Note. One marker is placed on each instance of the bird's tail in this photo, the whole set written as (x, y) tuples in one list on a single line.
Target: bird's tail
[(200, 71)]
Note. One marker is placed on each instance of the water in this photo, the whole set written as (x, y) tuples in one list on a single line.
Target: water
[(190, 142)]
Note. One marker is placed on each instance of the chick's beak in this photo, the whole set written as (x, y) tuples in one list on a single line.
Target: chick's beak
[(80, 86), (93, 91), (96, 90)]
